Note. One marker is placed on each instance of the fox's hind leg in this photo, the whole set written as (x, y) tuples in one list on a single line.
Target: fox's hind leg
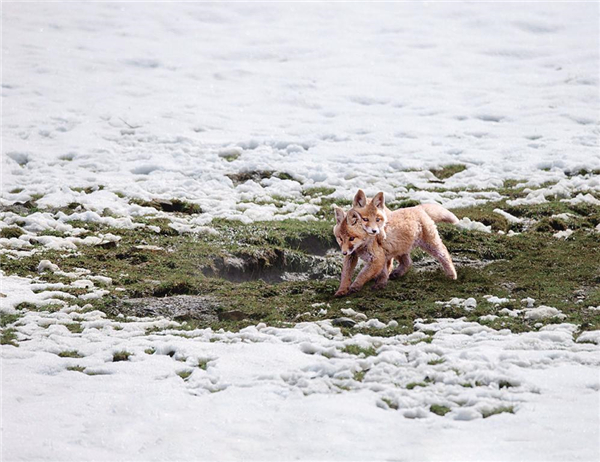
[(433, 245), (404, 263)]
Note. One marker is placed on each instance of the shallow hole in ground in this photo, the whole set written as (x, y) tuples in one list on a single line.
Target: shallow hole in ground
[(274, 266)]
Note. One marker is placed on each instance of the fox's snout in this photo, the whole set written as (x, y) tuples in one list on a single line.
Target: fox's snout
[(372, 230), (348, 252)]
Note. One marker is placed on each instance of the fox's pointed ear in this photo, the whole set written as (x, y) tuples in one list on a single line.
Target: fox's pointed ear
[(360, 200), (379, 200), (353, 217), (339, 215)]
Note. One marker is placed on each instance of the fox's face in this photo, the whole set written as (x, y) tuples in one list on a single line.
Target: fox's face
[(348, 231), (372, 213)]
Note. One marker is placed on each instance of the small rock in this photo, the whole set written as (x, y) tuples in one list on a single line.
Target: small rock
[(343, 322)]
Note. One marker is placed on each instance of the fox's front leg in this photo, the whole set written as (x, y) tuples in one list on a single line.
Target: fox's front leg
[(350, 262), (370, 270)]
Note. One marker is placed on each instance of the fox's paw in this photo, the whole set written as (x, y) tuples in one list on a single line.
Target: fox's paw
[(379, 285), (353, 289), (341, 293)]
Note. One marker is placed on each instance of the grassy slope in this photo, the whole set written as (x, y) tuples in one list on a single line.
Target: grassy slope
[(561, 273)]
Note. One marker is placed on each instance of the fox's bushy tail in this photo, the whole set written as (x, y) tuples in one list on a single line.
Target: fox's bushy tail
[(439, 214)]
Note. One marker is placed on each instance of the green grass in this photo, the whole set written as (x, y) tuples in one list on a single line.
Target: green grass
[(70, 354), (318, 191), (357, 350), (448, 170), (498, 410), (184, 374), (76, 368), (413, 385), (391, 404), (11, 231), (121, 356), (533, 264), (173, 205), (8, 336), (359, 375), (7, 319), (75, 328), (435, 362), (439, 409)]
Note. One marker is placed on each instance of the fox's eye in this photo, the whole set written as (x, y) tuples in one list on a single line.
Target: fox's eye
[(378, 220), (351, 239), (365, 220)]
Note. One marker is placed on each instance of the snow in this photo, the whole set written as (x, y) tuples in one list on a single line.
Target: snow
[(563, 234), (108, 102), (148, 105), (508, 216), (471, 225), (297, 377)]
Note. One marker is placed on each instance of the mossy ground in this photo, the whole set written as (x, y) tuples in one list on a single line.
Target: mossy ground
[(556, 272)]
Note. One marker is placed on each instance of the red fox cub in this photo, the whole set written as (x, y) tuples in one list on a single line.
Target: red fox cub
[(375, 234), (356, 243)]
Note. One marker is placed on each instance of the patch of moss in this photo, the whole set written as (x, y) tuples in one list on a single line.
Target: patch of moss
[(359, 375), (412, 385), (284, 176), (318, 191), (122, 355), (8, 336), (70, 354), (184, 374), (254, 175), (439, 409), (75, 328), (447, 171), (498, 410), (358, 350), (533, 264), (550, 225), (11, 232), (172, 205), (76, 368), (391, 404), (7, 319)]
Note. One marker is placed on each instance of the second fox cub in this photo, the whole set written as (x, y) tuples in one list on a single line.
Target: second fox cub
[(393, 234)]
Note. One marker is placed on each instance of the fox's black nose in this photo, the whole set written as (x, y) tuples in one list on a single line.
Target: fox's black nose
[(344, 253)]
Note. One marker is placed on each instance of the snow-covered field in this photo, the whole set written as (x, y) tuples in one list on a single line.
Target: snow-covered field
[(104, 103)]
